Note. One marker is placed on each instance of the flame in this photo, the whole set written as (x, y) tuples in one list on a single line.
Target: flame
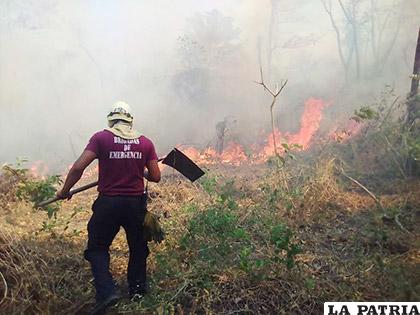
[(342, 135), (309, 122), (268, 149), (256, 153), (309, 125), (192, 153), (234, 153), (39, 169)]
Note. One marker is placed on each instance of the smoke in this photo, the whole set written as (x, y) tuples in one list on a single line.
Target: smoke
[(184, 66)]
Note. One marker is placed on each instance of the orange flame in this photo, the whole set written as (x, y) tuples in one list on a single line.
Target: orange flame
[(234, 153), (309, 122), (342, 135), (257, 153), (39, 169)]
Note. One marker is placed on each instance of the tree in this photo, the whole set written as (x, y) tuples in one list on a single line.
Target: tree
[(346, 48), (366, 24), (413, 110), (207, 46), (209, 40), (274, 93), (416, 70), (384, 31)]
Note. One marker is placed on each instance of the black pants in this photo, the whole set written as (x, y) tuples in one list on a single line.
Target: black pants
[(109, 214)]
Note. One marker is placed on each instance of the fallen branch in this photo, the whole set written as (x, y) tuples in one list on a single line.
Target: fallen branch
[(183, 287), (400, 225), (377, 201), (359, 272)]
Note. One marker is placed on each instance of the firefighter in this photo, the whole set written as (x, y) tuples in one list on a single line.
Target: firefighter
[(221, 129), (123, 155)]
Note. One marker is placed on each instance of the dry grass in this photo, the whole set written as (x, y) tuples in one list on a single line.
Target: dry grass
[(348, 250), (322, 190), (40, 276)]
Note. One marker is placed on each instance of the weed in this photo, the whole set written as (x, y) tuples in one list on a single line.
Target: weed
[(281, 238), (365, 113), (190, 208), (76, 210), (310, 283), (244, 259), (209, 183), (404, 284), (272, 195), (213, 221), (48, 226), (228, 190), (240, 234), (35, 190), (276, 161), (289, 148)]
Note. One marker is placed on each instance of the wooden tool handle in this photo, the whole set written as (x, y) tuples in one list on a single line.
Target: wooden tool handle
[(71, 193)]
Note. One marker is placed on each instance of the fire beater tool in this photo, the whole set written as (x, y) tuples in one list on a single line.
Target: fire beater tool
[(175, 159)]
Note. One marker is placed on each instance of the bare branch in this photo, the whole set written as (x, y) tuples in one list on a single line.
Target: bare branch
[(281, 88), (349, 19), (352, 19), (274, 95), (263, 84), (376, 199), (345, 64)]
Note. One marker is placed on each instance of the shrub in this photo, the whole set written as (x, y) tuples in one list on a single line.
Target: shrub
[(281, 238), (34, 189)]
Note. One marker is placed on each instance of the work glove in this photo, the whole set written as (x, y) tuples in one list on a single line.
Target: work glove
[(151, 228)]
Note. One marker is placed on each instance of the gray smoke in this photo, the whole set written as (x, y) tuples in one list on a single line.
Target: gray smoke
[(183, 66)]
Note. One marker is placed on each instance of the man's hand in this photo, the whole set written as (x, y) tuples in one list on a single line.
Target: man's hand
[(152, 173), (63, 194)]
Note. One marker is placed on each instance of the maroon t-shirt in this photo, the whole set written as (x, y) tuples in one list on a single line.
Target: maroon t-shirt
[(121, 162)]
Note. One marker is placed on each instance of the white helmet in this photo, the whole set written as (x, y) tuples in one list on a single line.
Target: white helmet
[(120, 111)]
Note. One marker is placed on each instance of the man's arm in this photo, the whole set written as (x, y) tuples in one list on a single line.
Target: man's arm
[(153, 171), (76, 172)]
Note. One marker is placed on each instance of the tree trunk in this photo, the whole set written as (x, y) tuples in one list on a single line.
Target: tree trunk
[(413, 110), (413, 102), (416, 70)]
